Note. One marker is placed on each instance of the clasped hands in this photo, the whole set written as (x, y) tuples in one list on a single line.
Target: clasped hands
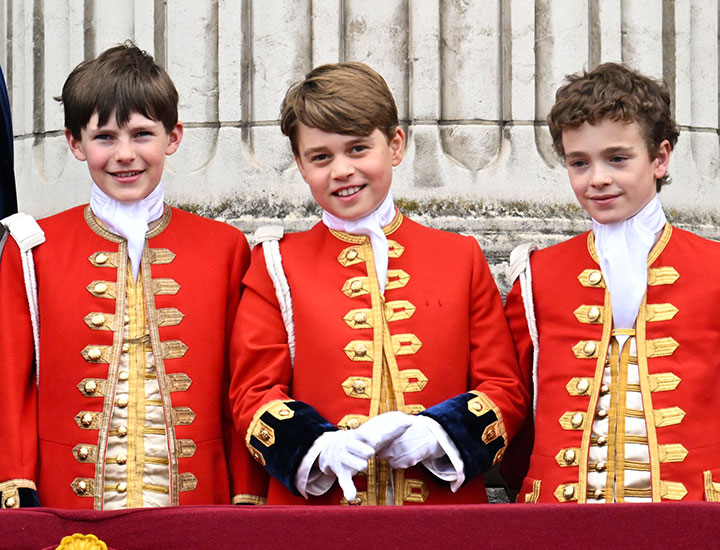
[(401, 439)]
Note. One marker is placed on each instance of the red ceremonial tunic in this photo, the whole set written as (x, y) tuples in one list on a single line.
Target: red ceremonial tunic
[(103, 339), (677, 333), (437, 333)]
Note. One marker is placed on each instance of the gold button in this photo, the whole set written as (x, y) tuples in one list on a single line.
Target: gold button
[(90, 386), (490, 434), (593, 313), (583, 385), (101, 258), (264, 435), (357, 501), (359, 386), (121, 487), (604, 388), (122, 431), (598, 493), (600, 466), (569, 456), (125, 347), (127, 319), (602, 413), (595, 277), (353, 424), (477, 406), (356, 286), (568, 492), (10, 502), (284, 412), (94, 353), (576, 420), (122, 401), (98, 320), (100, 288), (123, 375), (360, 317), (602, 440), (83, 453), (81, 487), (257, 456), (351, 254), (589, 348), (86, 419), (121, 459), (360, 350)]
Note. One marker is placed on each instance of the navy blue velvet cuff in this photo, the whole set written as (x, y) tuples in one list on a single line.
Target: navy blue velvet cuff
[(283, 439), (28, 498), (474, 428)]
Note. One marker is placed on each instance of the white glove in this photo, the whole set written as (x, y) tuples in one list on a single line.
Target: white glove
[(344, 454), (416, 444)]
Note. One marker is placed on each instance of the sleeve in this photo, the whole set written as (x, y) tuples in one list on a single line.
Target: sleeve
[(482, 421), (278, 430), (18, 390), (517, 458)]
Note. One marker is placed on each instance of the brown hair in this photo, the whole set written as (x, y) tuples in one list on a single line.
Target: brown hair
[(122, 80), (613, 91), (344, 98)]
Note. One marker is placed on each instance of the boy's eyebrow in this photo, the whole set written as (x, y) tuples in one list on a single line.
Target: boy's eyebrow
[(608, 151), (322, 148)]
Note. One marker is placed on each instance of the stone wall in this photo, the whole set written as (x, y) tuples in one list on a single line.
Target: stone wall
[(474, 81)]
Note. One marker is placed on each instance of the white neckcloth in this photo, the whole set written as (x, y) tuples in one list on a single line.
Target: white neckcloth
[(623, 249), (129, 219), (370, 226)]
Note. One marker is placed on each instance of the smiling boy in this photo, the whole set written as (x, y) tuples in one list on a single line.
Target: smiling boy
[(137, 301), (396, 337), (622, 359)]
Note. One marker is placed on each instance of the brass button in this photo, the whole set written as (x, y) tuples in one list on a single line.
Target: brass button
[(602, 413), (490, 434), (86, 419), (94, 353), (121, 459), (360, 317), (100, 288), (576, 420), (101, 258), (600, 467), (583, 385), (477, 406), (122, 401), (83, 453), (356, 286), (568, 492), (351, 254), (125, 347), (360, 350), (598, 493), (359, 386), (355, 502), (123, 375), (595, 277), (589, 348), (264, 435), (122, 431), (569, 456), (10, 502), (81, 488), (126, 319), (90, 386), (284, 412), (98, 320), (593, 313), (602, 440), (121, 487), (604, 389), (353, 424)]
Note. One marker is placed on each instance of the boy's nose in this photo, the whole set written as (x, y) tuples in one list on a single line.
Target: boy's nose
[(342, 169), (600, 177), (125, 152)]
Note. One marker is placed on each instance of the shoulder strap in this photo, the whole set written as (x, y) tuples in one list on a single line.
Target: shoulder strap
[(520, 269), (269, 236), (27, 233)]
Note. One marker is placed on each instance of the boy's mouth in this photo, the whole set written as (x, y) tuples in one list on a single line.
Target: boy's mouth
[(347, 191), (126, 174)]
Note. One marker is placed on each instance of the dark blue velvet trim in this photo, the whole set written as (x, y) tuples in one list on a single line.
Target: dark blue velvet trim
[(466, 429), (293, 439), (28, 498)]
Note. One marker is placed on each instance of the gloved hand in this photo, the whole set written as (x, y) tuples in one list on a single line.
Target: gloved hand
[(414, 445), (343, 454)]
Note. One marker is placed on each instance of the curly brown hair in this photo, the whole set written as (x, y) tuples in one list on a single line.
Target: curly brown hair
[(613, 91), (343, 98)]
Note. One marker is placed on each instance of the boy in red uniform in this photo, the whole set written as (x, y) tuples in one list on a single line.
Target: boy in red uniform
[(136, 306), (396, 350), (618, 318)]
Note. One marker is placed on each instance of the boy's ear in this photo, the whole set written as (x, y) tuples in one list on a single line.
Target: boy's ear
[(662, 159), (75, 146), (174, 138), (397, 146)]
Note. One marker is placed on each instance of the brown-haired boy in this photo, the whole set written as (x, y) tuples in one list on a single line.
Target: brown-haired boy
[(616, 320), (136, 304), (396, 333)]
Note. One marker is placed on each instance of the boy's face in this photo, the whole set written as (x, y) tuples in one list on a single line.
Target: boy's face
[(610, 168), (125, 162), (349, 176)]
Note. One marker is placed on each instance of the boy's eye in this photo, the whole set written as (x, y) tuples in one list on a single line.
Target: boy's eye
[(144, 133), (103, 137), (617, 159), (358, 148), (577, 163), (320, 157)]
